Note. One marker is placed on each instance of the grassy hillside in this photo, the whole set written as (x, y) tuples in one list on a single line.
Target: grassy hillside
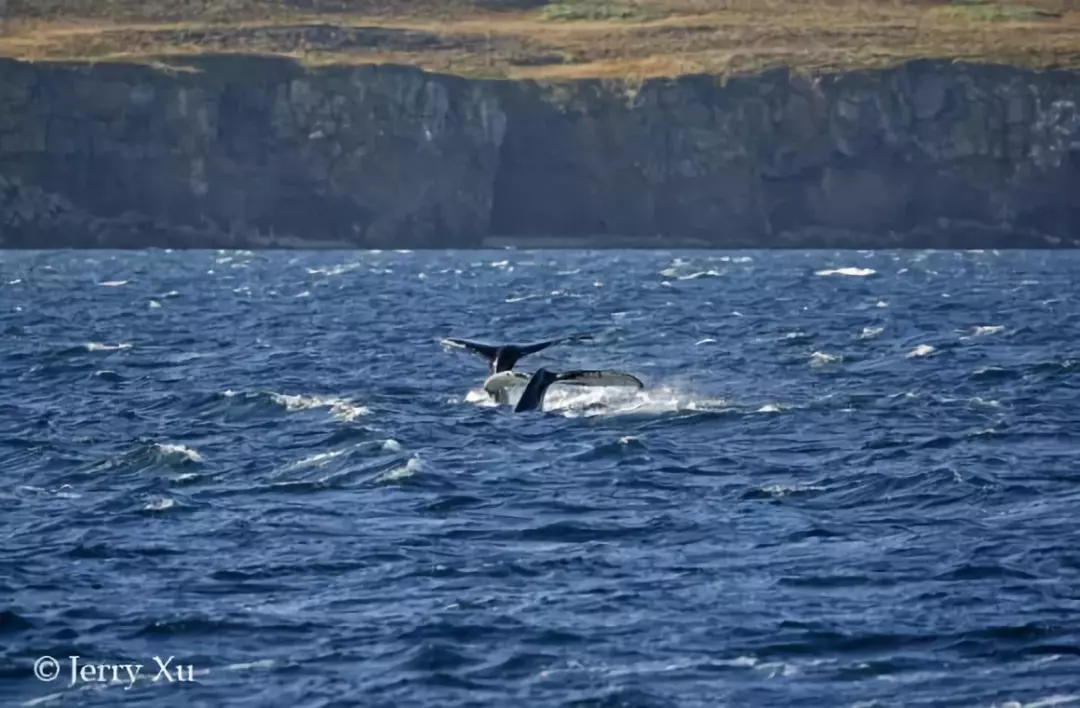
[(556, 39)]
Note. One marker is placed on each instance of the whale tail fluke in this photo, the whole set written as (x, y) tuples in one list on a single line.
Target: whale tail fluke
[(533, 396), (503, 357), (600, 377)]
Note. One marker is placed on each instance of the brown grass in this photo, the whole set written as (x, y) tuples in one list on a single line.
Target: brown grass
[(554, 40)]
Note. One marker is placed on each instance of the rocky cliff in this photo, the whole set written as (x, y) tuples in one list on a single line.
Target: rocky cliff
[(244, 151), (241, 151)]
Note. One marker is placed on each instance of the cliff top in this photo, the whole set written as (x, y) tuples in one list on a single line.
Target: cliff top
[(554, 39)]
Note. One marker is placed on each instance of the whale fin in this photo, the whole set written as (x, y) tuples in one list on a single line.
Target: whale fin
[(599, 377)]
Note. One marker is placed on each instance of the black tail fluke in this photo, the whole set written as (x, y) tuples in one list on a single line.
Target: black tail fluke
[(503, 357), (532, 398)]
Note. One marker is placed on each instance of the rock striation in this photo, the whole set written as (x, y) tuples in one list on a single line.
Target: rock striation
[(235, 151)]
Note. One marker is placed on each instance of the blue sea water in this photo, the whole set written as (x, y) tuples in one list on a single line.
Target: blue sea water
[(851, 480)]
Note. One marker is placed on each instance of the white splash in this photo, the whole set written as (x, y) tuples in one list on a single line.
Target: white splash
[(575, 402), (984, 330), (154, 304), (771, 408), (921, 350), (160, 504), (782, 490), (260, 664), (413, 466), (113, 283), (870, 332), (319, 459), (881, 303), (707, 340), (179, 451), (854, 272), (1048, 702), (98, 347), (334, 270), (818, 359), (341, 409), (989, 403), (391, 445)]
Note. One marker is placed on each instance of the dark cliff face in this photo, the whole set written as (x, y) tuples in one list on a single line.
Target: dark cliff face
[(900, 157), (249, 152)]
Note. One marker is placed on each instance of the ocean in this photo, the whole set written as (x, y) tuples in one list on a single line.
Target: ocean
[(258, 479)]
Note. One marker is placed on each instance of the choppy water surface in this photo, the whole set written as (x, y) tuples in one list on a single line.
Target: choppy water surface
[(852, 479)]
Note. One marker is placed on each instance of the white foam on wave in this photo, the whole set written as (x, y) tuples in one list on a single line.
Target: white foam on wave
[(985, 330), (819, 359), (182, 451), (62, 492), (99, 347), (319, 459), (782, 490), (339, 408), (154, 304), (410, 468), (583, 401), (160, 504), (113, 283), (1048, 702), (870, 332), (335, 270), (920, 351), (854, 272), (673, 270), (576, 402), (707, 340), (699, 274)]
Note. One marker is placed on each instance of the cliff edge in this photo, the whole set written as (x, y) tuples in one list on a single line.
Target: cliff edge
[(240, 151)]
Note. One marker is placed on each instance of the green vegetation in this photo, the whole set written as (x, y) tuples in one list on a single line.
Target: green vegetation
[(571, 10), (554, 39)]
